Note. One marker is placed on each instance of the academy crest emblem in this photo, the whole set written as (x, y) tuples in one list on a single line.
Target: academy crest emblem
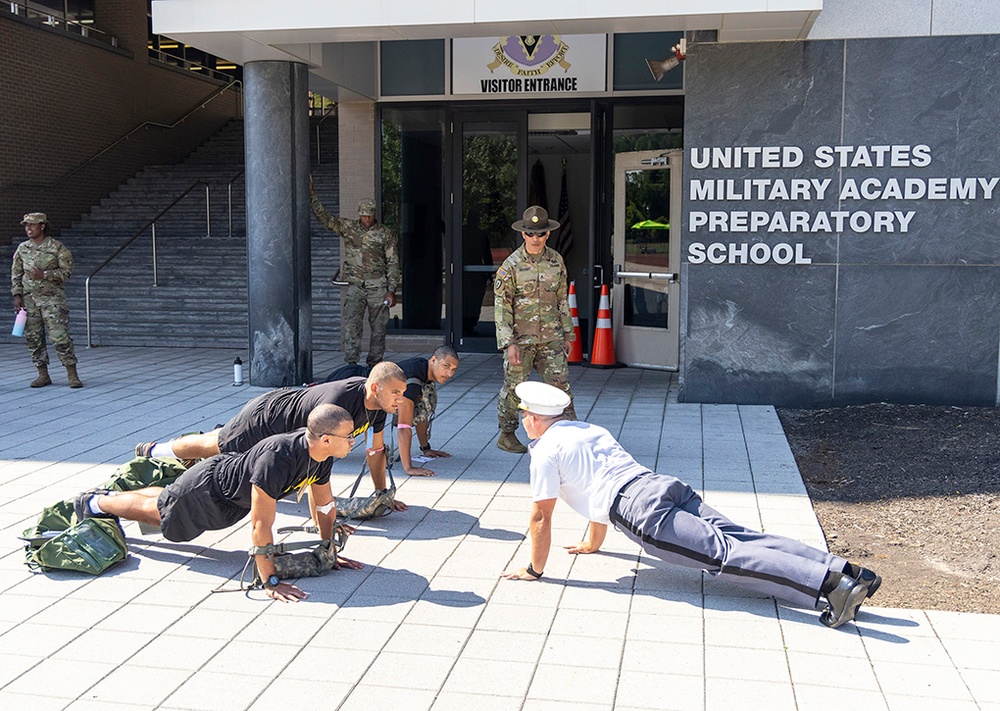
[(529, 55)]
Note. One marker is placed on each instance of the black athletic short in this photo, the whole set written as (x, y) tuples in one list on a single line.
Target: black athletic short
[(188, 508)]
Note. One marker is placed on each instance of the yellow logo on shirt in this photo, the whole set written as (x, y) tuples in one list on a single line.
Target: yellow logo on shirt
[(301, 486)]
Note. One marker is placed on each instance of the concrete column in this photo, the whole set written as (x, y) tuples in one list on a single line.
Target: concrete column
[(278, 243)]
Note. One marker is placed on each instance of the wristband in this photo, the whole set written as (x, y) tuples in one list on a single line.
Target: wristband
[(373, 452), (425, 447), (326, 508), (532, 572), (401, 426)]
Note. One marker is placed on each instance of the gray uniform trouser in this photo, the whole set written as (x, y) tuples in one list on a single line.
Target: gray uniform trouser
[(671, 522)]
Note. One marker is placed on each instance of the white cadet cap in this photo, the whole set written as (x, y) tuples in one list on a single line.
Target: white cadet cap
[(541, 398)]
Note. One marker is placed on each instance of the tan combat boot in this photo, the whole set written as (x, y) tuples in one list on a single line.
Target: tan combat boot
[(43, 378), (74, 379), (509, 442)]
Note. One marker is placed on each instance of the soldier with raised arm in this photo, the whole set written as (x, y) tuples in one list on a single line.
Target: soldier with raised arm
[(370, 266)]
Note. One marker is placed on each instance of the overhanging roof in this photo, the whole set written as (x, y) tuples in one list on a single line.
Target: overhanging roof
[(297, 30)]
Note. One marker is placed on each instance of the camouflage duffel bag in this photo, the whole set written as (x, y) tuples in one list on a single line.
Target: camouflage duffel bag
[(375, 505), (362, 508), (319, 558)]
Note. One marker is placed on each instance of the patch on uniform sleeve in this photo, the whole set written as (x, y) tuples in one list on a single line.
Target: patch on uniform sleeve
[(502, 275)]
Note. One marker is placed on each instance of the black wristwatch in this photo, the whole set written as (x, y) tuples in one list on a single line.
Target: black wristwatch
[(272, 582), (425, 447)]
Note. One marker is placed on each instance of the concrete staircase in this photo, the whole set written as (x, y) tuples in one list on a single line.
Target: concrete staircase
[(200, 299)]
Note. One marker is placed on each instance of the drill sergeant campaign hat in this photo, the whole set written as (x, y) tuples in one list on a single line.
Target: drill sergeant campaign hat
[(535, 221), (35, 218), (366, 208), (541, 398)]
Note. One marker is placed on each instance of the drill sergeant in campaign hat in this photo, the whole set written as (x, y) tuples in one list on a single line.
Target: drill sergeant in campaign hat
[(534, 325), (584, 465)]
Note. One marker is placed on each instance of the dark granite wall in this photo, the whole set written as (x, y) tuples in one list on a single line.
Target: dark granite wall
[(903, 317)]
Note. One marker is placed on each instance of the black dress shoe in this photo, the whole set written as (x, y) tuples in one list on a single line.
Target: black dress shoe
[(845, 599), (871, 579)]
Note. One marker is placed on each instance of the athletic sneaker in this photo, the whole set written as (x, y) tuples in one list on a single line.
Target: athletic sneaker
[(81, 504), (144, 449)]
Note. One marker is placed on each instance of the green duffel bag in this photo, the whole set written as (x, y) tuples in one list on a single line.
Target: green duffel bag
[(136, 474), (57, 517), (145, 471), (59, 542), (90, 546)]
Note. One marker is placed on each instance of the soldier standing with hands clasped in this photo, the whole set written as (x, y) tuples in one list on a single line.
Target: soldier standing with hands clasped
[(370, 266), (534, 325), (41, 265)]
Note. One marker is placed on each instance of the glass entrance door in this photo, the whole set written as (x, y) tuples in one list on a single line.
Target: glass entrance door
[(646, 251), (490, 182)]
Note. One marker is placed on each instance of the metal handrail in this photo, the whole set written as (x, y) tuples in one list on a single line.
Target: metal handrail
[(124, 138), (53, 18), (331, 112), (229, 194), (134, 237), (172, 60)]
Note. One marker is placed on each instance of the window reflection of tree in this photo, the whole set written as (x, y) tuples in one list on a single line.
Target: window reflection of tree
[(489, 184)]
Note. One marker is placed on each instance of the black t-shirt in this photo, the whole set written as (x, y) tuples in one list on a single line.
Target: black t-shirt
[(279, 465), (415, 371), (289, 409)]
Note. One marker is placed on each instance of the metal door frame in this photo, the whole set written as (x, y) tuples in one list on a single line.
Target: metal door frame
[(624, 163), (457, 121)]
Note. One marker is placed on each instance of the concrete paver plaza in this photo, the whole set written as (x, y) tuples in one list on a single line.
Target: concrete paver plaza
[(429, 624)]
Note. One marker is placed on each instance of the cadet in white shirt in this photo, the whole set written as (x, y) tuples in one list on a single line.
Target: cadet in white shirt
[(587, 467)]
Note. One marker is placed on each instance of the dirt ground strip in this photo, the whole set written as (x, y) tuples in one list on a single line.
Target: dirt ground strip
[(911, 491)]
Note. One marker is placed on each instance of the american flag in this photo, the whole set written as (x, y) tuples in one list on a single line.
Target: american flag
[(564, 237)]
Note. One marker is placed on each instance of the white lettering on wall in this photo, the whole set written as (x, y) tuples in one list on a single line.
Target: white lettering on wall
[(743, 253), (848, 185)]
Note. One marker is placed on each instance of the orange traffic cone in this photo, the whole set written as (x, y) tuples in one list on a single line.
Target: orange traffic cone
[(575, 356), (602, 355)]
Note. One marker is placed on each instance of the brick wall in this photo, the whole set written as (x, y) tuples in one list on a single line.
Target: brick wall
[(64, 100)]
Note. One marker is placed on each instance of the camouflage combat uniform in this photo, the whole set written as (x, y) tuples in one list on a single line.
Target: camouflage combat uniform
[(532, 312), (45, 298), (370, 266)]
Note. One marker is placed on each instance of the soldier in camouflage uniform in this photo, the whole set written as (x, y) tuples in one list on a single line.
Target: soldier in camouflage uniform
[(370, 266), (41, 265), (534, 326)]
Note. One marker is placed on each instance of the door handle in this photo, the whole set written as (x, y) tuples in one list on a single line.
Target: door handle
[(669, 276)]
